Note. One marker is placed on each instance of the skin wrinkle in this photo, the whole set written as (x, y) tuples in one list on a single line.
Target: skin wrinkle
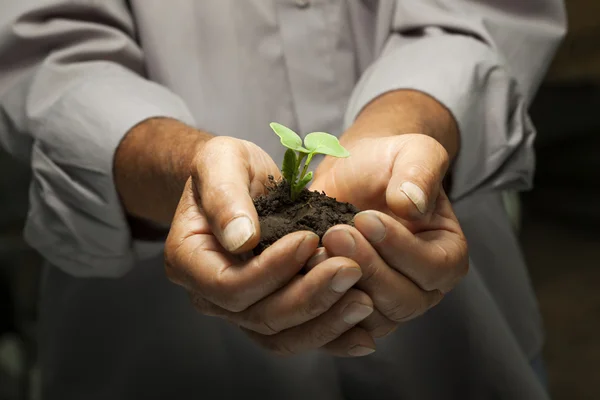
[(185, 277), (270, 281), (399, 309), (219, 191), (367, 277), (313, 307), (260, 322), (411, 265), (223, 284), (194, 218)]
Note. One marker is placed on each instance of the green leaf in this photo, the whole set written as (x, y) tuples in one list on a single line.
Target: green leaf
[(324, 143), (301, 184), (289, 168), (289, 138)]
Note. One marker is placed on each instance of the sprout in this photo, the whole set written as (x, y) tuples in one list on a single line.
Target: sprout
[(314, 143)]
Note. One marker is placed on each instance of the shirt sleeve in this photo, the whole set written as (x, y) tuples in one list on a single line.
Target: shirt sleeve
[(71, 86), (483, 60)]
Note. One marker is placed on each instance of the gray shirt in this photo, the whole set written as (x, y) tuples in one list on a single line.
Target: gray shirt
[(76, 75)]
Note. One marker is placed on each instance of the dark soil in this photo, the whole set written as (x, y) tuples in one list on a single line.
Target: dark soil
[(312, 211)]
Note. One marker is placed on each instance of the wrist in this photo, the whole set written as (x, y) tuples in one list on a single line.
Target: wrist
[(405, 111), (152, 164)]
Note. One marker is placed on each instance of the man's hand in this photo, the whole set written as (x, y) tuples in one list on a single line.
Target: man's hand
[(214, 228), (409, 244)]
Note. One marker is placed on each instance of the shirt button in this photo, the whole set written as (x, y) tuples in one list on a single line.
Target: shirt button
[(302, 3)]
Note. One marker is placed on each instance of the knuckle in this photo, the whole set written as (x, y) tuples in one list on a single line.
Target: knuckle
[(250, 147), (435, 148), (212, 201), (324, 334), (267, 328), (315, 305), (451, 262), (399, 312), (235, 303), (204, 155), (217, 142), (262, 325), (222, 188), (228, 295), (370, 274), (430, 281), (421, 175)]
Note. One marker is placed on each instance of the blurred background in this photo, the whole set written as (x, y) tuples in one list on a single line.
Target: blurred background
[(559, 223)]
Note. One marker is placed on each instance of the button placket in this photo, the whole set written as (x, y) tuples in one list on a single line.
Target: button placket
[(302, 3)]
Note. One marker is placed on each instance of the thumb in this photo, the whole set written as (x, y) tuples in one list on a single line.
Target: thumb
[(417, 174), (226, 173)]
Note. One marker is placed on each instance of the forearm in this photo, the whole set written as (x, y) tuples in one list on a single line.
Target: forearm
[(152, 164), (405, 111)]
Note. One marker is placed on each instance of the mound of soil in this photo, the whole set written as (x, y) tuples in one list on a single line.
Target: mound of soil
[(311, 211)]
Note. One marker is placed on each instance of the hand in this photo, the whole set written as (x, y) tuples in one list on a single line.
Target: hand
[(411, 250), (214, 228)]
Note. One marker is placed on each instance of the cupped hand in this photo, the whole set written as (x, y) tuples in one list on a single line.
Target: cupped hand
[(408, 243), (207, 252)]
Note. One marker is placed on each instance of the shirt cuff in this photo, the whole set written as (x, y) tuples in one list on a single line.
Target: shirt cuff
[(469, 79), (76, 220)]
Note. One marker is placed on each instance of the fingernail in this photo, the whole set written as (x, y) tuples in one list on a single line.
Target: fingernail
[(306, 248), (237, 233), (360, 351), (356, 312), (318, 257), (416, 195), (347, 245), (371, 227), (345, 279)]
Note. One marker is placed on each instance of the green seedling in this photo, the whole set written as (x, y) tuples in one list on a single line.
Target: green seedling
[(314, 143)]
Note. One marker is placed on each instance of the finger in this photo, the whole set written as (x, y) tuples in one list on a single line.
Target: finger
[(417, 175), (434, 260), (354, 307), (188, 221), (378, 325), (354, 343), (226, 173), (396, 296), (318, 257), (304, 299), (234, 285)]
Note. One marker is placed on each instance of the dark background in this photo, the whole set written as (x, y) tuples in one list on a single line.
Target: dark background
[(559, 228)]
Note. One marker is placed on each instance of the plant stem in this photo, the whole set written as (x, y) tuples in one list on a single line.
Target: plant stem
[(308, 160), (300, 158), (294, 184)]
